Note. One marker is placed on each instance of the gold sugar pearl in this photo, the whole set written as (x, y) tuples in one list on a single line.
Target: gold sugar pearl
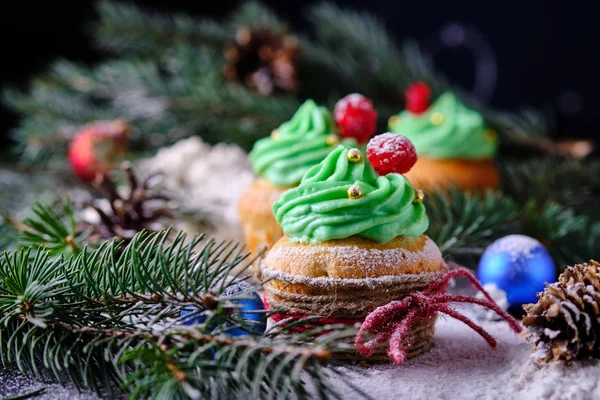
[(419, 196), (490, 135), (393, 121), (355, 192), (275, 134), (437, 118), (354, 155), (332, 140)]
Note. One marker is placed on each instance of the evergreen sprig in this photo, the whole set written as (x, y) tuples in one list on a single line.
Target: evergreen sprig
[(570, 237), (349, 45), (55, 231), (464, 224), (167, 81), (110, 319), (572, 183)]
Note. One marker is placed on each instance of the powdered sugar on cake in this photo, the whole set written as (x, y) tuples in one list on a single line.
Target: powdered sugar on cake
[(351, 257)]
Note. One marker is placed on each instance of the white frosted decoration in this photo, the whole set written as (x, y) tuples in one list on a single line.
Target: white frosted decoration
[(208, 180)]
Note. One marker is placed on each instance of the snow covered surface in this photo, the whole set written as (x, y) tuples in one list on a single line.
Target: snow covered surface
[(460, 366)]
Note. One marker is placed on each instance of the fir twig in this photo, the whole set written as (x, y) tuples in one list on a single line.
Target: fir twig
[(113, 317), (168, 84), (571, 238), (465, 224), (55, 232), (572, 183), (127, 29)]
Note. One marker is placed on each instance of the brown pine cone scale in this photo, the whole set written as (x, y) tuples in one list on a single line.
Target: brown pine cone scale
[(565, 322)]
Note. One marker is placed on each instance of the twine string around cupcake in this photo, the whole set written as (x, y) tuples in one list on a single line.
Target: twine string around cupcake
[(392, 321)]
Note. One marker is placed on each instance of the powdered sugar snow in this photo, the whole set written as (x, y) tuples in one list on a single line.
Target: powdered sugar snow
[(462, 366)]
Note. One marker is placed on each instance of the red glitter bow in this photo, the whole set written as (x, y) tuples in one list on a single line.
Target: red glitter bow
[(392, 321)]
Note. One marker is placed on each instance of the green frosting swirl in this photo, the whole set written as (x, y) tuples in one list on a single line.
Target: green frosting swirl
[(320, 209), (297, 145), (448, 129)]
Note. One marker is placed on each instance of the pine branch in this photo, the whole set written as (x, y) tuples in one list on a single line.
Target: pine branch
[(113, 317), (168, 84), (252, 14), (572, 183), (190, 99), (463, 224), (351, 45), (126, 29), (130, 30), (571, 238), (55, 232)]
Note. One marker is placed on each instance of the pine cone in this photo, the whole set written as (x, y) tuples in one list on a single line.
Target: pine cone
[(139, 210), (565, 323), (264, 59)]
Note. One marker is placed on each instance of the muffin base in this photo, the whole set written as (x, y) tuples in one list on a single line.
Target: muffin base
[(346, 279), (471, 175), (259, 226)]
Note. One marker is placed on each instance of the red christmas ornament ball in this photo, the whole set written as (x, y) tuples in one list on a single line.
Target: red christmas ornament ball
[(417, 97), (356, 117), (390, 152), (97, 148)]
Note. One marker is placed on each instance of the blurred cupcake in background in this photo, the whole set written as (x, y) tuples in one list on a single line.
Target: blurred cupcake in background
[(453, 144)]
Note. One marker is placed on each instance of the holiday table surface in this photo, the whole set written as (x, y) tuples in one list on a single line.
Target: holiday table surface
[(460, 366)]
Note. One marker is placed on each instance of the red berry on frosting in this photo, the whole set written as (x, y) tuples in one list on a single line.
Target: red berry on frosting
[(390, 152), (417, 97), (356, 117), (97, 147)]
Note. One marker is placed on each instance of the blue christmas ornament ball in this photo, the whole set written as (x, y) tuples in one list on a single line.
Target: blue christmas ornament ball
[(250, 305), (519, 265)]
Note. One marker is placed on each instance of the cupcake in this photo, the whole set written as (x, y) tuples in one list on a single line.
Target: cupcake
[(452, 142), (353, 241), (281, 160)]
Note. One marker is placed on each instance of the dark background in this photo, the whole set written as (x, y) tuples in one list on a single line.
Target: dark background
[(547, 55)]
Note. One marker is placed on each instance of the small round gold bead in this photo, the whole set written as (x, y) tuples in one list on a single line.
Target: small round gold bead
[(491, 135), (354, 155), (437, 118), (419, 196), (355, 192), (393, 121), (275, 134), (332, 140)]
